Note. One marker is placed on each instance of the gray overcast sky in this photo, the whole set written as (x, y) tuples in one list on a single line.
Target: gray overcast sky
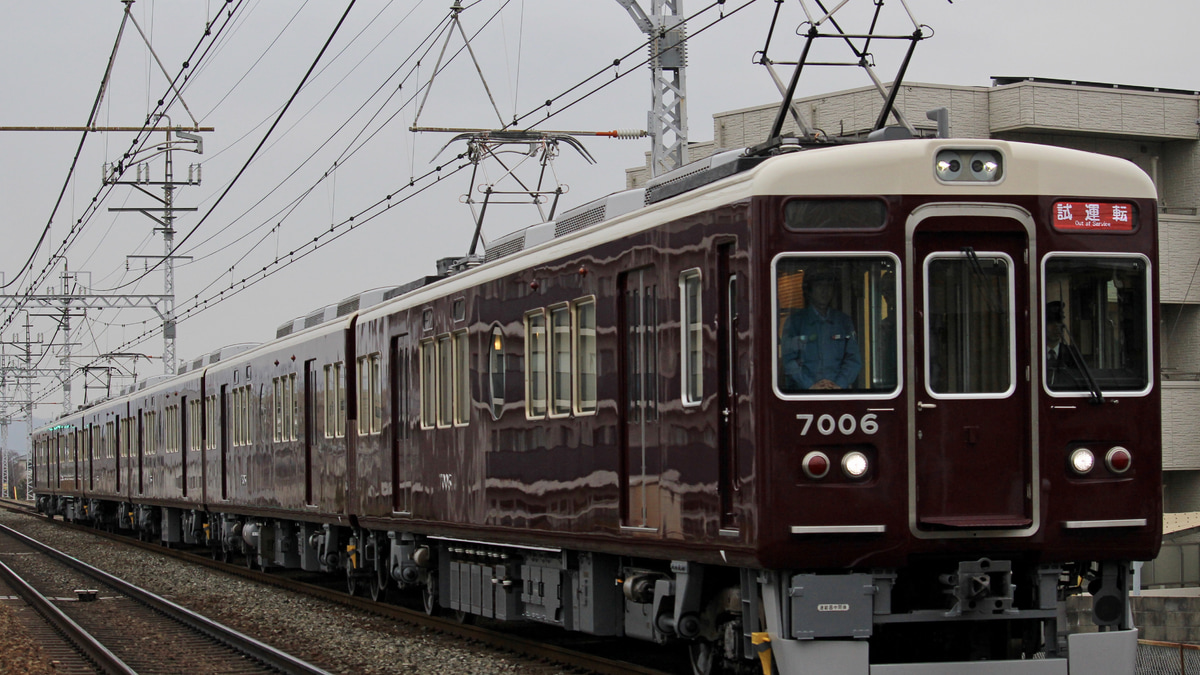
[(55, 54)]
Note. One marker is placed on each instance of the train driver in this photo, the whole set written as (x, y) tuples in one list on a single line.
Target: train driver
[(819, 342)]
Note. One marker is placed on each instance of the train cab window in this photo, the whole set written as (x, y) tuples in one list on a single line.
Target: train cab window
[(692, 359), (586, 358), (496, 372), (969, 324), (837, 325), (535, 364), (1096, 323)]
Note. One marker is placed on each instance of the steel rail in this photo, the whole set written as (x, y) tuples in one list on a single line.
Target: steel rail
[(255, 649), (91, 648), (497, 639)]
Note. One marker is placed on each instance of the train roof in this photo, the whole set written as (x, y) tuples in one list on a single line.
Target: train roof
[(879, 168)]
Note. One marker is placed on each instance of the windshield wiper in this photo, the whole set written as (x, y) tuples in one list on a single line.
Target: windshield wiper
[(1097, 397)]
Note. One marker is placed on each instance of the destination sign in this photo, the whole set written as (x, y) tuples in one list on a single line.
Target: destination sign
[(1093, 216)]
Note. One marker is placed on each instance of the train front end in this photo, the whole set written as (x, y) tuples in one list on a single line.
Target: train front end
[(958, 411)]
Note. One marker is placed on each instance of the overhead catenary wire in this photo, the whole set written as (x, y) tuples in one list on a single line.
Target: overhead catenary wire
[(77, 227), (74, 161), (208, 302)]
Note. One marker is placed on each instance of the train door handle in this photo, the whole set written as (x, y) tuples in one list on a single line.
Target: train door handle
[(921, 405), (726, 412)]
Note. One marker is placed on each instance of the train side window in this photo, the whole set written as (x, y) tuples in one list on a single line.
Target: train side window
[(837, 327), (496, 372), (692, 325), (364, 395), (560, 361), (278, 401), (428, 384), (445, 379), (149, 424), (1096, 322), (329, 390), (339, 377), (535, 364), (462, 379), (169, 420), (586, 357), (295, 407), (369, 393)]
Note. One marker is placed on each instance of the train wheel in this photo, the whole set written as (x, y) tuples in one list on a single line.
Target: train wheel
[(354, 585), (429, 595), (377, 587), (464, 618)]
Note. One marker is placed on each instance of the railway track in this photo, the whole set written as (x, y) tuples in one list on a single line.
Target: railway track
[(555, 650), (117, 627)]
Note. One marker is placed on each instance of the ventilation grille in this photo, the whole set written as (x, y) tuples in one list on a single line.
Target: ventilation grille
[(510, 247), (285, 330), (579, 221)]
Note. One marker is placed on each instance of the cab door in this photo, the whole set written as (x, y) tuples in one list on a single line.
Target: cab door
[(972, 455)]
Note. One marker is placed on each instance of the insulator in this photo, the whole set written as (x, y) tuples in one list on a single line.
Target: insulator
[(630, 133)]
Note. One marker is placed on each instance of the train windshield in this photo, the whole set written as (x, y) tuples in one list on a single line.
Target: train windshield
[(1096, 319), (836, 324)]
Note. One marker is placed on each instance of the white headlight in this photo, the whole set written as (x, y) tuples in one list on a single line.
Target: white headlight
[(948, 165), (1082, 460), (855, 465), (985, 166)]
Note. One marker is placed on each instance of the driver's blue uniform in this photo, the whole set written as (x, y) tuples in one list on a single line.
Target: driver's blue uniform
[(819, 348)]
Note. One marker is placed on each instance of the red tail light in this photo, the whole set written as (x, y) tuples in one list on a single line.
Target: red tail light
[(1118, 460), (816, 464)]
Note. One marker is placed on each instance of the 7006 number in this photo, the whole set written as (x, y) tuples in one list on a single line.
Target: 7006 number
[(846, 424)]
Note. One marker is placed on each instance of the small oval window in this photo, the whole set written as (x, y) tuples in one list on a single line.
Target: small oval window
[(496, 372), (834, 214)]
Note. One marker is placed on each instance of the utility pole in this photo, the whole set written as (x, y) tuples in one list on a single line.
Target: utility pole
[(166, 221), (667, 121), (23, 387)]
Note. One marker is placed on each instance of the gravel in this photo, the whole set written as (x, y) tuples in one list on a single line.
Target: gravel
[(332, 636)]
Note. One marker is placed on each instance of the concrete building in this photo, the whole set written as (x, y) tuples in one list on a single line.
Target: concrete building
[(1157, 129)]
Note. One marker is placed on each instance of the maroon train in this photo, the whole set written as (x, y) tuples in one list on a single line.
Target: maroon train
[(886, 405)]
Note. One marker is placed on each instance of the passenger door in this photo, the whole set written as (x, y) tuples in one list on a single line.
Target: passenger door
[(641, 466), (402, 442), (972, 459)]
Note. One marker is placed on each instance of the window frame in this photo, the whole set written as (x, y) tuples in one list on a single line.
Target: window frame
[(1150, 280), (496, 357), (581, 350), (1013, 344), (427, 359), (461, 366), (691, 356), (532, 411), (556, 337), (897, 296)]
